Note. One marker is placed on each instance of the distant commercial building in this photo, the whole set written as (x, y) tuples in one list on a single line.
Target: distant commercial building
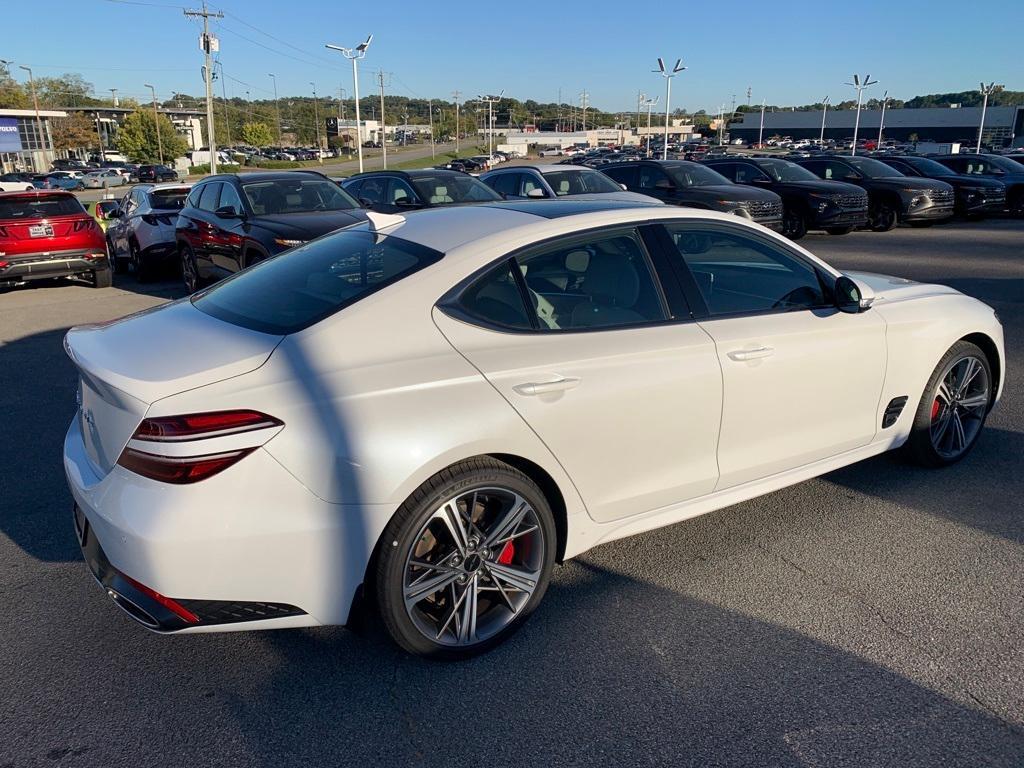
[(21, 145), (190, 124), (369, 130), (522, 140), (1004, 126)]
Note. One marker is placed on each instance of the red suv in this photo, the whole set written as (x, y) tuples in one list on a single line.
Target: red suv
[(48, 234)]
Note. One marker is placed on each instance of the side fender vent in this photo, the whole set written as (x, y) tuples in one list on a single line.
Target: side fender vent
[(893, 411)]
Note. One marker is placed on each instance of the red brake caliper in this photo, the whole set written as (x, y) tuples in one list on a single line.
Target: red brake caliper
[(935, 409), (507, 552)]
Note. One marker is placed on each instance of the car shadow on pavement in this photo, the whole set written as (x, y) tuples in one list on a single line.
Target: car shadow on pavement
[(612, 671)]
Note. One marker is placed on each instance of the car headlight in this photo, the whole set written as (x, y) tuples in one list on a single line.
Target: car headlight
[(285, 243)]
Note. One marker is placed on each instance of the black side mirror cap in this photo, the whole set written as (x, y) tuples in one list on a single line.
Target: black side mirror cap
[(227, 212), (850, 298)]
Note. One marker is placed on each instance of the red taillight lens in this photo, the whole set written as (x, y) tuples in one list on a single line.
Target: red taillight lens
[(85, 224), (202, 425), (179, 470)]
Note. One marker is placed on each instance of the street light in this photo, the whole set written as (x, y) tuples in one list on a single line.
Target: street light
[(860, 86), (650, 104), (490, 101), (354, 54), (760, 131), (668, 95), (881, 122), (277, 107), (316, 123), (39, 121), (156, 121), (986, 91), (824, 111)]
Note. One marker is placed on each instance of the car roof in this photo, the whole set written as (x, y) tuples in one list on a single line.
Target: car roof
[(168, 185), (265, 175)]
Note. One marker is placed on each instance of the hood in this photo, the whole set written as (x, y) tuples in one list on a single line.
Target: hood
[(819, 186), (619, 197), (910, 182), (968, 180), (735, 192), (888, 289), (307, 226)]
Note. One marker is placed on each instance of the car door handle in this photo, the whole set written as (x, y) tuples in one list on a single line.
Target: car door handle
[(751, 354), (543, 387)]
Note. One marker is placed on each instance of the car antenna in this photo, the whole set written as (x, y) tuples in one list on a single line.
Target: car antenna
[(379, 221)]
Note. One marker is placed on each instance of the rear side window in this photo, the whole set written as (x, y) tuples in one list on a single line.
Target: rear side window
[(298, 288), (38, 207), (496, 298), (208, 202)]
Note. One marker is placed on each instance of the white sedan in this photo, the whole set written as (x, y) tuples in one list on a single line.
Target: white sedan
[(434, 409), (102, 179)]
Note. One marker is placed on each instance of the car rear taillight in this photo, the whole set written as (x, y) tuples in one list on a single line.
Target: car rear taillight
[(88, 223), (205, 462)]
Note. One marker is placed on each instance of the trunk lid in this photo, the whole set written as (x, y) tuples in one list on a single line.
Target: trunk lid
[(128, 364)]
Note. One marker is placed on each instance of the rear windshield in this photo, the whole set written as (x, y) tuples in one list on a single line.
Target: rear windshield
[(299, 287), (39, 207), (168, 199)]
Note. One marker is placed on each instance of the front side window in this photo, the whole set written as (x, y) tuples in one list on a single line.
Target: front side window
[(694, 175), (580, 183), (289, 292), (739, 274), (652, 177), (746, 174), (505, 183), (453, 188), (208, 200), (229, 197), (400, 193)]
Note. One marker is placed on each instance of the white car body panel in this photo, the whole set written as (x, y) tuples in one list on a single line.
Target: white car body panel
[(662, 424), (16, 186)]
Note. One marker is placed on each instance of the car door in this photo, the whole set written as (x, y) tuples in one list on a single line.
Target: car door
[(227, 236), (116, 227), (609, 371), (653, 181), (801, 380), (204, 241)]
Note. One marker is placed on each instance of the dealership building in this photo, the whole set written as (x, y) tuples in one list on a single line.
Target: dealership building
[(22, 145), (1004, 126)]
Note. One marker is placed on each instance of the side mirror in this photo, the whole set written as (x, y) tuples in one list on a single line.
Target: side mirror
[(536, 192), (624, 187), (117, 213), (664, 184), (852, 177), (852, 296), (227, 212), (365, 203)]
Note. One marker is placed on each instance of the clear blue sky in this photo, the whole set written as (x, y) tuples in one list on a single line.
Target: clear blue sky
[(787, 52)]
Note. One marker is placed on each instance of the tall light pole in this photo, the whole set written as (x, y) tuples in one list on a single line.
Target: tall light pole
[(209, 44), (650, 104), (430, 110), (584, 96), (39, 121), (668, 95), (316, 123), (156, 121), (760, 131), (824, 111), (456, 95), (277, 107), (881, 121), (860, 86), (986, 91), (354, 54), (490, 101)]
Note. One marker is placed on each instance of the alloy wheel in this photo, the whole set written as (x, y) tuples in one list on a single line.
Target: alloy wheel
[(959, 404), (189, 271), (473, 566)]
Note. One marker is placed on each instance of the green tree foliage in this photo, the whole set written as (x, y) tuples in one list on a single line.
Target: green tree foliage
[(12, 95), (1001, 98), (257, 134), (136, 139), (67, 90), (76, 131)]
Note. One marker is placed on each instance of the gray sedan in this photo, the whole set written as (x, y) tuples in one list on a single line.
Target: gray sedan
[(559, 181)]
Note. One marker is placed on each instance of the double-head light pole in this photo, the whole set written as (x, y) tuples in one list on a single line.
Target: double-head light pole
[(668, 75), (354, 55), (860, 85)]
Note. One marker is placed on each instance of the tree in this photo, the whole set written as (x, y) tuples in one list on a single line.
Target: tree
[(136, 139), (12, 95), (70, 89), (257, 134), (76, 131)]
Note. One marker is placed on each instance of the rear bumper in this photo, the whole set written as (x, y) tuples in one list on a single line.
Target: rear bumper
[(250, 548), (47, 264)]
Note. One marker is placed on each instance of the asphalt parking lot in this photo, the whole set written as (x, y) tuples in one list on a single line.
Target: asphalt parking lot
[(871, 617)]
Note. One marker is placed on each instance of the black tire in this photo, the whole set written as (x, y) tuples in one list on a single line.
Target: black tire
[(142, 268), (836, 231), (189, 270), (884, 216), (919, 448), (102, 278), (402, 533), (794, 223)]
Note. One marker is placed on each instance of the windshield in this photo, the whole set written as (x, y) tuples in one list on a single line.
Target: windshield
[(580, 182), (693, 175), (873, 169), (297, 288), (929, 167), (1004, 164), (299, 195), (168, 199), (446, 189), (38, 207), (783, 170)]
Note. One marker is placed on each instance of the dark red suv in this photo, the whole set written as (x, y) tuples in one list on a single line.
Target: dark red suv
[(48, 234)]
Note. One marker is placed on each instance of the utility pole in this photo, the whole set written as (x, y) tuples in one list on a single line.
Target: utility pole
[(39, 121), (383, 125), (316, 124), (748, 95), (209, 44), (583, 106), (156, 121), (224, 93), (277, 108), (354, 54), (456, 95), (248, 101), (986, 91), (490, 101), (881, 122)]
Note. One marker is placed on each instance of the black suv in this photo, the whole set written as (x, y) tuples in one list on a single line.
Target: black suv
[(231, 221), (156, 173), (976, 196), (892, 197), (808, 202), (1009, 172), (681, 182), (393, 191)]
